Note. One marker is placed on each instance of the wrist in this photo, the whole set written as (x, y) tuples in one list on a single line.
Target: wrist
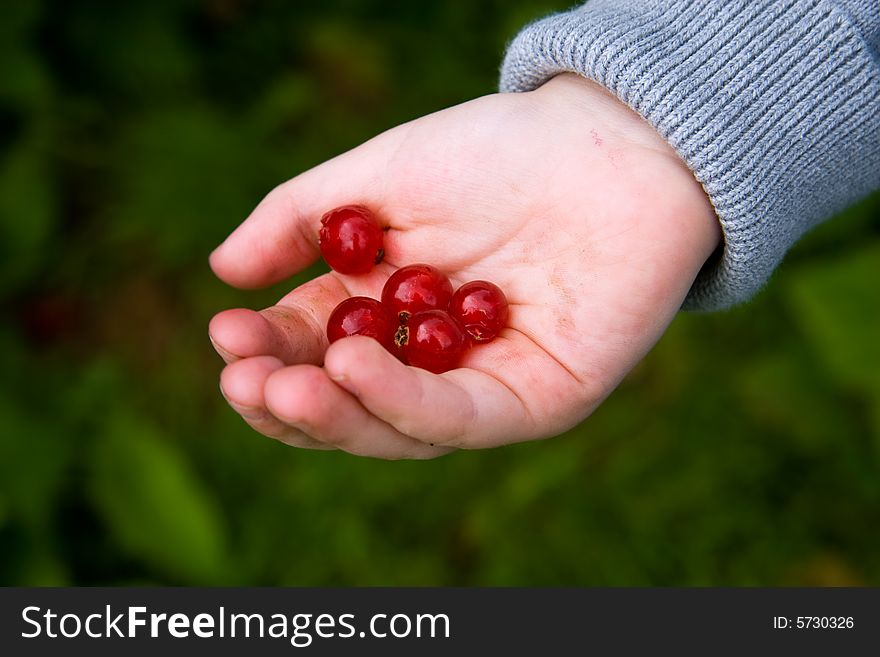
[(635, 148)]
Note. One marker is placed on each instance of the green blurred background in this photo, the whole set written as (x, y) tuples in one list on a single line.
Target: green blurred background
[(745, 450)]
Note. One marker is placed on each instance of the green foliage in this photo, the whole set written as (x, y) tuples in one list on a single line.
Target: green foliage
[(153, 505), (134, 136), (836, 303), (27, 214)]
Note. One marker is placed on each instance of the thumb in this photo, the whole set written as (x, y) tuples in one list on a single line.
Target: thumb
[(280, 237)]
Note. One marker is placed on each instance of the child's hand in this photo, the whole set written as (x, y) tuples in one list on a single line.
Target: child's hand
[(565, 198)]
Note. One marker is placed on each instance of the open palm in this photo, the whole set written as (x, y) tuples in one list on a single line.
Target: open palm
[(567, 200)]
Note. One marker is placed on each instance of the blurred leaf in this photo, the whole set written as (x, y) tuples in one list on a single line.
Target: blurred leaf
[(185, 174), (283, 103), (33, 457), (41, 568), (155, 506), (134, 49), (27, 212), (787, 394), (837, 305), (24, 79), (825, 569), (354, 60)]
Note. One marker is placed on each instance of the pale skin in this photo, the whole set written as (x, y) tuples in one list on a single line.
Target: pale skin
[(563, 196)]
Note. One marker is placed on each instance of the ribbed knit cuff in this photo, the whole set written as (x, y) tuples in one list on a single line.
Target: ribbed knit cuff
[(774, 105)]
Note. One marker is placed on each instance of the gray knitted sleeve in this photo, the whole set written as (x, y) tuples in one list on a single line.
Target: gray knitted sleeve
[(774, 105)]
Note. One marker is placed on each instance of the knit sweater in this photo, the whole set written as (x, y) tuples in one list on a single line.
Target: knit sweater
[(773, 104)]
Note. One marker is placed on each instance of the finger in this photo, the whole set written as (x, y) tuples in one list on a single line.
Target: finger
[(280, 237), (463, 408), (294, 330), (242, 384), (287, 333), (305, 398), (242, 333)]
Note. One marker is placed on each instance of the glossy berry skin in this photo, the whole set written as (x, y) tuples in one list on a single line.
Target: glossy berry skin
[(351, 239), (363, 316), (481, 308), (432, 340), (416, 288)]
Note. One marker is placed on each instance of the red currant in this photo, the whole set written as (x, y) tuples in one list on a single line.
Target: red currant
[(351, 239), (415, 288), (362, 316), (432, 340), (482, 309)]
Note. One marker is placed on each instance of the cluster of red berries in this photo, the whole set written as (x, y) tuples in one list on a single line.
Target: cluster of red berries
[(419, 319)]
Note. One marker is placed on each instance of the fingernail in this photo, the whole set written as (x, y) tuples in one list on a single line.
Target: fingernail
[(225, 355)]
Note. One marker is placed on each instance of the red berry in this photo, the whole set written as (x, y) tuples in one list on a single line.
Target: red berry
[(415, 288), (351, 239), (362, 316), (482, 309), (432, 340)]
